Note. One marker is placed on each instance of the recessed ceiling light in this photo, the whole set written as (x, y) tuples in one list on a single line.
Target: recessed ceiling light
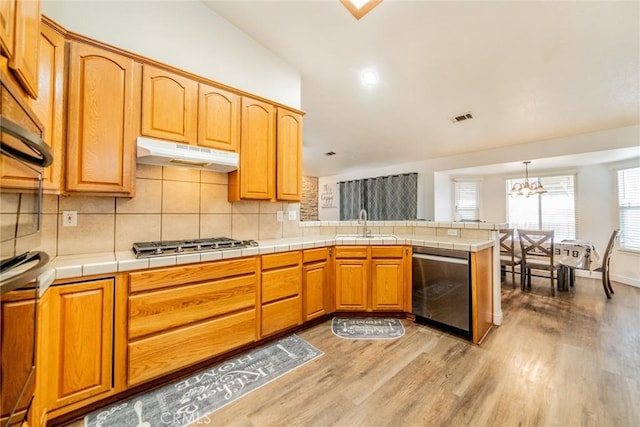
[(369, 77)]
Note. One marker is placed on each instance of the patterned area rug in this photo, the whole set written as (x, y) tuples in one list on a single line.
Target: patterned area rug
[(367, 329), (183, 402)]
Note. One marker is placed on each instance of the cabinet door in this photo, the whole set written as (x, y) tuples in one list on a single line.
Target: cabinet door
[(289, 156), (351, 284), (103, 121), (7, 26), (15, 174), (218, 118), (387, 284), (17, 317), (49, 106), (255, 177), (314, 282), (24, 61), (169, 105), (81, 345)]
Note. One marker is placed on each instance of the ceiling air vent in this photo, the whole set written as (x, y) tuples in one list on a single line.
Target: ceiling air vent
[(462, 117), (330, 153)]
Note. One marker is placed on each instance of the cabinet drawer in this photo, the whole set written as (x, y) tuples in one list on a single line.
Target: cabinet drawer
[(172, 276), (313, 255), (281, 283), (280, 260), (155, 356), (351, 251), (281, 315), (387, 251), (157, 311)]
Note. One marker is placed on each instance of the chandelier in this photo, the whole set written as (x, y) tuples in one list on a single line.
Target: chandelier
[(526, 189)]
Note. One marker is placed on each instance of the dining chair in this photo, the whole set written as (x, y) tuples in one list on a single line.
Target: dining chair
[(606, 281), (507, 252), (537, 254)]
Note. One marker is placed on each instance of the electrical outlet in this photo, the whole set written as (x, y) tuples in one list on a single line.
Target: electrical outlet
[(292, 215), (69, 218), (280, 216), (453, 232)]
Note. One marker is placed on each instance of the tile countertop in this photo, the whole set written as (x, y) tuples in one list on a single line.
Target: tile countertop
[(72, 266)]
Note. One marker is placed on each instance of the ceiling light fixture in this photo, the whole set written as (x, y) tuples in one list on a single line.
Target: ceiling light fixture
[(359, 8), (369, 78), (526, 189)]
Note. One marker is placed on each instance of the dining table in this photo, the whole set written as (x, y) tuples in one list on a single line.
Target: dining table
[(572, 255)]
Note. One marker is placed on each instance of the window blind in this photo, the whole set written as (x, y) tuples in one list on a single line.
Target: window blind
[(553, 210), (629, 208), (467, 195)]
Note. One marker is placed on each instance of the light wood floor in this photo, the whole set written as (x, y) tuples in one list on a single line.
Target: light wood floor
[(572, 360)]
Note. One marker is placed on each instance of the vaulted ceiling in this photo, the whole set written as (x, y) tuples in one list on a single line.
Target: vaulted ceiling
[(527, 71)]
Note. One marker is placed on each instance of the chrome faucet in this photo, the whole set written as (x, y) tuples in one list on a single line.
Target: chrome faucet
[(362, 217)]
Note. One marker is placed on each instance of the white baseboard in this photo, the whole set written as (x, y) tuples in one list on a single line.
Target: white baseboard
[(626, 280), (614, 277), (497, 318)]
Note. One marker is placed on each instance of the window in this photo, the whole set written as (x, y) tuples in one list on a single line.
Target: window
[(553, 210), (467, 195), (629, 208)]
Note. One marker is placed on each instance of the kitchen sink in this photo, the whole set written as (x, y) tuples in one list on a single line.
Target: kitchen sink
[(369, 236)]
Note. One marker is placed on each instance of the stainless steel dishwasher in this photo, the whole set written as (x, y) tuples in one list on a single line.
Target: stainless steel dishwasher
[(441, 288)]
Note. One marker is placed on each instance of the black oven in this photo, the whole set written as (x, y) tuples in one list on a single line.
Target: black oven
[(22, 154)]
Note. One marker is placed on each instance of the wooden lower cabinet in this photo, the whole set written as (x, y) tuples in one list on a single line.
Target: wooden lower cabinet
[(371, 278), (281, 293), (166, 352), (388, 277), (179, 316), (17, 316), (80, 341), (352, 284), (481, 293), (315, 281)]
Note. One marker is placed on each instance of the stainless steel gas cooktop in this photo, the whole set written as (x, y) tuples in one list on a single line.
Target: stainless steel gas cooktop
[(179, 247)]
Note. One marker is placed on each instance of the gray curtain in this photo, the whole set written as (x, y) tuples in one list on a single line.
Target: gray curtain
[(392, 197), (351, 199)]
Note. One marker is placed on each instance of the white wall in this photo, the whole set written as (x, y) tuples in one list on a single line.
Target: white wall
[(596, 191), (425, 188), (184, 34)]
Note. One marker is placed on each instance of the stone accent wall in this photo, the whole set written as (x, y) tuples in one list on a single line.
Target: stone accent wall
[(309, 199)]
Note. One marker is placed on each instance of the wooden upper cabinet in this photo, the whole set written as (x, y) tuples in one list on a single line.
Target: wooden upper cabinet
[(49, 106), (289, 155), (24, 61), (169, 105), (13, 106), (218, 118), (255, 177), (7, 26), (103, 121)]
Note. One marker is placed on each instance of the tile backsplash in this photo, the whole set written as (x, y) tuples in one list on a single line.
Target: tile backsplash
[(170, 203)]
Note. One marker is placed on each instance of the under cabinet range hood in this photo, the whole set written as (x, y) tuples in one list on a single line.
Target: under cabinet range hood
[(166, 153)]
